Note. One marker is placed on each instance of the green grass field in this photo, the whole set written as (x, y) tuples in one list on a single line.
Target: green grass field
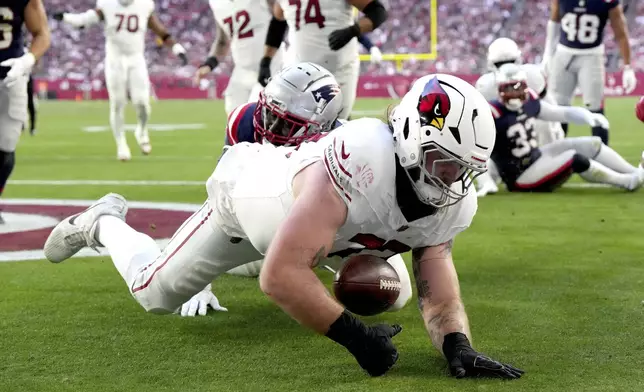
[(552, 283)]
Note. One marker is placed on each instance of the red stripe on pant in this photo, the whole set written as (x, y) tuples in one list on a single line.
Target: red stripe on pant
[(147, 283), (567, 166)]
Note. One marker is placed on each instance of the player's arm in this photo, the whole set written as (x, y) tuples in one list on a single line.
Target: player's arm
[(274, 37), (374, 15), (618, 24), (552, 32), (304, 237), (159, 29), (82, 19), (36, 24), (218, 50), (444, 316), (571, 114)]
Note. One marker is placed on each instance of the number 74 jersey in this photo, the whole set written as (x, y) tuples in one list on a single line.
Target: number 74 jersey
[(125, 26)]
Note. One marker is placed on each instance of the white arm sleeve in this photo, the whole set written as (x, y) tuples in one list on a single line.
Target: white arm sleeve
[(565, 114), (552, 36), (87, 18)]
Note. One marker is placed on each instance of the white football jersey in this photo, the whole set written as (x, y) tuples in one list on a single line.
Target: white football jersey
[(486, 84), (245, 23), (310, 23), (125, 26), (250, 192)]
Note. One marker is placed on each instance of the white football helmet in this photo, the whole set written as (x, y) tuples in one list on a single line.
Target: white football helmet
[(444, 134), (512, 83), (501, 51), (297, 103)]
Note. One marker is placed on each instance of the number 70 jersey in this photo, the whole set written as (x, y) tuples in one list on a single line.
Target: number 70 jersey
[(125, 26)]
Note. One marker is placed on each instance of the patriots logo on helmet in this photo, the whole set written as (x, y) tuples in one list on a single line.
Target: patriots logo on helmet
[(434, 104), (325, 94)]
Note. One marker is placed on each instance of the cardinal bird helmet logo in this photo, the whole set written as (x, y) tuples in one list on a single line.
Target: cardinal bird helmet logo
[(434, 104)]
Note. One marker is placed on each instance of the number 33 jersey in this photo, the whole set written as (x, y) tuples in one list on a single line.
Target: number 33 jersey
[(516, 145), (250, 192), (125, 26)]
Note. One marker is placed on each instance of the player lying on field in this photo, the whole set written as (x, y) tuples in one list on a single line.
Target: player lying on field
[(405, 184), (506, 51), (525, 167), (301, 102)]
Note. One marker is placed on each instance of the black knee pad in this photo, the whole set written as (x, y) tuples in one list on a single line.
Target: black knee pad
[(564, 126), (580, 163), (7, 162)]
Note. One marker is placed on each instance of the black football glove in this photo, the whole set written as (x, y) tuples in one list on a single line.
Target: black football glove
[(464, 361), (264, 71), (370, 345), (376, 353), (339, 38), (58, 16), (184, 58)]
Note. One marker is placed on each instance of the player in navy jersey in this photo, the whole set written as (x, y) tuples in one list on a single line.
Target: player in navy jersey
[(574, 52), (524, 166), (15, 67)]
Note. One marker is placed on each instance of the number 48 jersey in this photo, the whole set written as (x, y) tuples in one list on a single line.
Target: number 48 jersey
[(245, 23), (125, 26), (516, 146), (311, 22), (582, 24)]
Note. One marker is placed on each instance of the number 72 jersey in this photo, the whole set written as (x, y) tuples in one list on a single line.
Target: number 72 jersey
[(516, 146), (582, 24), (245, 23)]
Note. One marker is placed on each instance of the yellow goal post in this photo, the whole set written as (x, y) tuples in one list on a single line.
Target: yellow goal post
[(399, 58)]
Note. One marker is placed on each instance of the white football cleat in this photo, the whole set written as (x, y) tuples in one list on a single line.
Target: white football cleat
[(143, 139), (78, 231), (637, 179), (123, 153)]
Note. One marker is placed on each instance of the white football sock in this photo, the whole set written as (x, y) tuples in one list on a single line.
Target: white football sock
[(128, 248), (117, 121), (143, 114), (602, 174), (611, 159)]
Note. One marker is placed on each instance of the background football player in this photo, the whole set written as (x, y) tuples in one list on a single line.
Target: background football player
[(506, 51), (126, 71), (323, 32), (297, 205), (15, 67), (526, 167), (241, 30), (574, 52)]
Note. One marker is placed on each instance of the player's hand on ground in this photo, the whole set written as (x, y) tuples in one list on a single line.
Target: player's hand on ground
[(58, 16), (341, 37), (464, 361), (20, 68), (599, 120), (376, 55), (264, 71), (377, 353), (629, 81), (200, 302)]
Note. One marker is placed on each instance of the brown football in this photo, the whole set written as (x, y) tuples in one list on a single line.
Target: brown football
[(366, 285)]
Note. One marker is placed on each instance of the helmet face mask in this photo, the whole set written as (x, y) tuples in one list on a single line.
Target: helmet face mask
[(298, 103), (512, 86), (443, 136)]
